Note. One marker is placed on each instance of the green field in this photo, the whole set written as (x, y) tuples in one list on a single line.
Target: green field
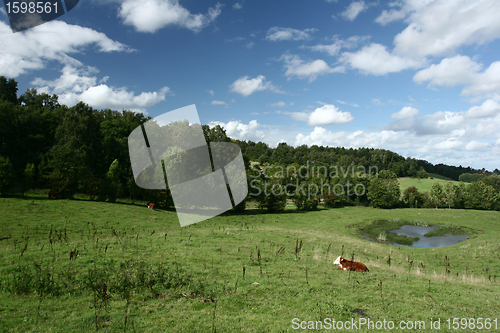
[(81, 266), (423, 185)]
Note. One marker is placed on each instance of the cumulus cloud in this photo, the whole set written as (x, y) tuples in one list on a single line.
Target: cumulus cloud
[(238, 130), (390, 16), (449, 72), (477, 146), (279, 34), (489, 108), (435, 28), (32, 49), (307, 70), (328, 114), (405, 112), (237, 5), (152, 15), (464, 71), (246, 86), (354, 9), (440, 27), (76, 85), (376, 60), (211, 92), (323, 137)]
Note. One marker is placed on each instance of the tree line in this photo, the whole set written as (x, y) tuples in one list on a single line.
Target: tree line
[(79, 149)]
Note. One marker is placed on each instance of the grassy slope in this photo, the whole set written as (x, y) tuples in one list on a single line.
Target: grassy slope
[(214, 252), (423, 185)]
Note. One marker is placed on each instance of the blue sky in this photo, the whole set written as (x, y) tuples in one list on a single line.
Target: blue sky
[(421, 78)]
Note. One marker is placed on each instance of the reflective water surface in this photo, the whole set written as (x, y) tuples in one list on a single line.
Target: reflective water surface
[(425, 242)]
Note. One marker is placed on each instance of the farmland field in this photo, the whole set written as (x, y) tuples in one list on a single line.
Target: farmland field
[(83, 266), (423, 185)]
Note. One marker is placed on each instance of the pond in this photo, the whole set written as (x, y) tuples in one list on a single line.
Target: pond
[(426, 242)]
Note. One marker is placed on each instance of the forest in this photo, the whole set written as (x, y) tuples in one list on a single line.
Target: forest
[(78, 149)]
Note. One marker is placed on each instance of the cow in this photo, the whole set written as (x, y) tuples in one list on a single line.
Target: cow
[(151, 206), (53, 195), (348, 265)]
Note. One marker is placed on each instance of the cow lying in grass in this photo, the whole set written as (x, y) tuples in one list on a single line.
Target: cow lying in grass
[(348, 265)]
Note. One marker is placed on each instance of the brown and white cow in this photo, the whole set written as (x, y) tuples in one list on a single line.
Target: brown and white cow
[(151, 206), (348, 265)]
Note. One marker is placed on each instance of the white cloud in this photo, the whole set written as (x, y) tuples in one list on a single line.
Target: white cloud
[(279, 34), (279, 104), (333, 49), (376, 60), (354, 9), (405, 112), (211, 92), (392, 15), (76, 85), (298, 67), (440, 27), (237, 6), (322, 137), (218, 103), (488, 109), (329, 114), (449, 72), (448, 144), (246, 86), (477, 146), (237, 130), (463, 70), (22, 52), (152, 15)]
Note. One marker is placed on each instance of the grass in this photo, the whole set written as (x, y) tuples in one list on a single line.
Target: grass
[(423, 185), (81, 266)]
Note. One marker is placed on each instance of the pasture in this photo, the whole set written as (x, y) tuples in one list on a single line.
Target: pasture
[(82, 266), (423, 185)]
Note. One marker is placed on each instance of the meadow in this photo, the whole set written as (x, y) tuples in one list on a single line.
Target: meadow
[(424, 185), (84, 266)]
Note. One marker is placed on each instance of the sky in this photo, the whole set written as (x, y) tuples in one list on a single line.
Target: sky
[(420, 78)]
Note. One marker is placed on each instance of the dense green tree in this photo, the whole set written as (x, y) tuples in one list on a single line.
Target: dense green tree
[(384, 191), (480, 196), (437, 195), (5, 174), (8, 90), (270, 194), (449, 194), (470, 177), (29, 177), (411, 196), (77, 153)]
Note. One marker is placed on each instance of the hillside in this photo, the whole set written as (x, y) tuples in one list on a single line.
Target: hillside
[(82, 266), (423, 185)]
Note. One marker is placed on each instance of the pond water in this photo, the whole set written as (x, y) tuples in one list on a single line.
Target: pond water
[(425, 242)]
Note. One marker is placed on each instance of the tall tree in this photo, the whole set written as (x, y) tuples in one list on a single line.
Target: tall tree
[(384, 191), (8, 90), (77, 153), (436, 194)]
